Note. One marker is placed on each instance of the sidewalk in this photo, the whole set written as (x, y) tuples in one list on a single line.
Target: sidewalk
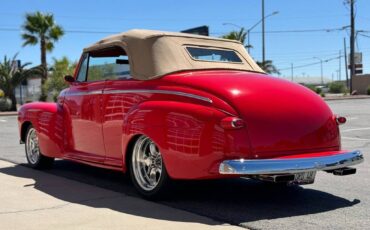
[(32, 199)]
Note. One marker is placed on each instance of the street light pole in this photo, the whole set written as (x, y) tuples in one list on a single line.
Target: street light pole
[(263, 31), (345, 61), (322, 70)]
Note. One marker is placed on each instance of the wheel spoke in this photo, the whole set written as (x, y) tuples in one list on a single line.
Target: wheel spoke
[(153, 150), (153, 176)]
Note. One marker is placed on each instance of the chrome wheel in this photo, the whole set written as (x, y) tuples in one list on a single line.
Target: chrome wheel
[(147, 165), (32, 147)]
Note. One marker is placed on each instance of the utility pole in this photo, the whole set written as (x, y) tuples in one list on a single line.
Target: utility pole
[(321, 69), (263, 31), (340, 62), (352, 61), (292, 71), (345, 61), (322, 73)]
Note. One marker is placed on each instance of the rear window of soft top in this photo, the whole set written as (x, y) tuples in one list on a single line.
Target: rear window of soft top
[(213, 54)]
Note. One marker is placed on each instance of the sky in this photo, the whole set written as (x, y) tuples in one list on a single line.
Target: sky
[(302, 32)]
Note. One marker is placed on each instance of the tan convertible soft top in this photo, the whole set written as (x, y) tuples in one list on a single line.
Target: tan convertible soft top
[(153, 54)]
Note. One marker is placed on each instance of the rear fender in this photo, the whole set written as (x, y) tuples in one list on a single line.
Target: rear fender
[(188, 135)]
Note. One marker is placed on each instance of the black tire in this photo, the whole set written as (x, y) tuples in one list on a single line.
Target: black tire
[(164, 184), (35, 159)]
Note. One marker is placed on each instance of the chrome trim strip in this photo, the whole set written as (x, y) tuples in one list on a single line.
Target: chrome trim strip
[(94, 92), (290, 166), (160, 92)]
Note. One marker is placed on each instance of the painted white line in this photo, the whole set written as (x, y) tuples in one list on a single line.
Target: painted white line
[(358, 129), (356, 138), (3, 120), (352, 118)]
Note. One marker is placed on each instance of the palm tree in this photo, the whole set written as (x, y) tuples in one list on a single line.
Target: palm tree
[(237, 35), (268, 67), (41, 28), (11, 77)]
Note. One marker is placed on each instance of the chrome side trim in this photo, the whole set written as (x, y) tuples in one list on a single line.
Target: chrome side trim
[(159, 92), (141, 91), (290, 166), (94, 92)]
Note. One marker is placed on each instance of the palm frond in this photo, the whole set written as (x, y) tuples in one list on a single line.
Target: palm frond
[(56, 32), (29, 39), (237, 35), (49, 46)]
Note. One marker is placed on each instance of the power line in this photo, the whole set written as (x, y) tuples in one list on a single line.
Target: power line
[(256, 32), (70, 31), (301, 30), (367, 36), (311, 64)]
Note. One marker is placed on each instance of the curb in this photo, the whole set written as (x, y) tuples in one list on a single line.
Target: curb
[(6, 114), (346, 98)]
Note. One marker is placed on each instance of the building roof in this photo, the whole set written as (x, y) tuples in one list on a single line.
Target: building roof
[(153, 54)]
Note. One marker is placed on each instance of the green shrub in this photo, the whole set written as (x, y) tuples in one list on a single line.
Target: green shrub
[(5, 104), (314, 88), (322, 95), (311, 87), (2, 94), (337, 87), (368, 90)]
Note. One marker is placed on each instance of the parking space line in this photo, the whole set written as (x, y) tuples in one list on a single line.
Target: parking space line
[(3, 120), (358, 129), (356, 138)]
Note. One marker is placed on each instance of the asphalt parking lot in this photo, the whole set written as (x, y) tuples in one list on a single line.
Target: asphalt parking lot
[(333, 202)]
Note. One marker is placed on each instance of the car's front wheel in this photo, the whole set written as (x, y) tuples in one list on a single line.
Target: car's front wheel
[(147, 170), (34, 156)]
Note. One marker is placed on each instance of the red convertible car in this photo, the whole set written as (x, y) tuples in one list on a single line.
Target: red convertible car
[(166, 106)]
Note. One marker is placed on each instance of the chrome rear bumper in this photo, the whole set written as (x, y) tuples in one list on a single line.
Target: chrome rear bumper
[(290, 166)]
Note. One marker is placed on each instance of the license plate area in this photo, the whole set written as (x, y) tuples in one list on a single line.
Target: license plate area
[(304, 178)]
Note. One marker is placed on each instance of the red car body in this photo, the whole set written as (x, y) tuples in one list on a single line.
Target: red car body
[(210, 123), (282, 119)]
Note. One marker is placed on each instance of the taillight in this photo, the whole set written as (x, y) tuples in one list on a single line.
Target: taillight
[(232, 123), (340, 120)]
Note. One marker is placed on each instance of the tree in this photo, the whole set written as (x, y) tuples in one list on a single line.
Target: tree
[(59, 69), (41, 28), (11, 77), (236, 35), (268, 67)]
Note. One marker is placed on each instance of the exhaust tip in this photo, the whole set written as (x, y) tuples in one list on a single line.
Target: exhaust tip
[(344, 171)]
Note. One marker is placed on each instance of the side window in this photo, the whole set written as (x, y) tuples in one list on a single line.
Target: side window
[(83, 69), (108, 64)]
